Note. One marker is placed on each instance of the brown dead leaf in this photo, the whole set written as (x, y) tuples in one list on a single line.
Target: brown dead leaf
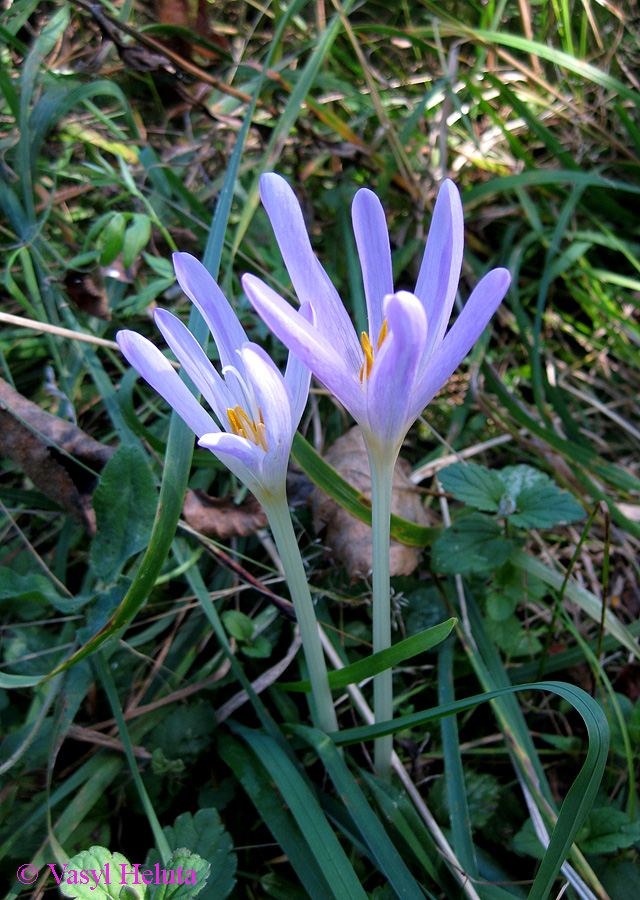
[(196, 17), (220, 517), (86, 292), (34, 439), (349, 539)]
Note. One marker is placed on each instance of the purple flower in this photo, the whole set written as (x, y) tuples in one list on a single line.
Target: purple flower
[(388, 377), (256, 409)]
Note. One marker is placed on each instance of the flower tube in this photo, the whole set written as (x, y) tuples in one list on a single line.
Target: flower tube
[(388, 376), (257, 411)]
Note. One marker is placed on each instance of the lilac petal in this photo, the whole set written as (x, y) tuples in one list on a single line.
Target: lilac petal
[(395, 369), (312, 348), (310, 281), (297, 376), (271, 395), (374, 250), (194, 360), (238, 454), (160, 374), (466, 330), (440, 270), (212, 304)]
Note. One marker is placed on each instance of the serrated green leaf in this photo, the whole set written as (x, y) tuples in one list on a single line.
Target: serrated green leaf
[(136, 237), (239, 625), (472, 484), (113, 237), (125, 506), (516, 479), (544, 506), (527, 497), (188, 873), (97, 874), (472, 544), (204, 835)]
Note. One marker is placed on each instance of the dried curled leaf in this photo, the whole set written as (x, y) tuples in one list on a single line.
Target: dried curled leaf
[(347, 538), (221, 517), (34, 439)]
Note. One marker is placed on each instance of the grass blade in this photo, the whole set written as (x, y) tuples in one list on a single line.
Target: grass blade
[(385, 659), (343, 882)]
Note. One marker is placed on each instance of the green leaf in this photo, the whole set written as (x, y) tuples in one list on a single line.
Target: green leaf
[(188, 873), (607, 830), (527, 497), (538, 502), (385, 659), (125, 506), (545, 506), (258, 785), (136, 238), (474, 485), (113, 237), (526, 842), (303, 805), (185, 732), (96, 874), (259, 648), (326, 477), (34, 590), (621, 879), (206, 837), (513, 638), (385, 854), (581, 793), (472, 544), (502, 604), (239, 625), (180, 442)]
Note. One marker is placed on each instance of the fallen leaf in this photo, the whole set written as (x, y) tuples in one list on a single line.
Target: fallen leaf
[(196, 18), (347, 538), (86, 292), (52, 452), (221, 517)]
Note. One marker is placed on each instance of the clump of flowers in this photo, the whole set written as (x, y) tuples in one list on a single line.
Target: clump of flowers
[(384, 378)]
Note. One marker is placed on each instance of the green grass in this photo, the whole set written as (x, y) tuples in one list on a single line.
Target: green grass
[(534, 111)]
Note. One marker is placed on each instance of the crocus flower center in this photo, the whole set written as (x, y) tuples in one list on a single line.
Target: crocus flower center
[(242, 425), (367, 346)]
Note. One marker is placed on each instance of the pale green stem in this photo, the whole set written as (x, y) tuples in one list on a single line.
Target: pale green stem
[(381, 486), (280, 521)]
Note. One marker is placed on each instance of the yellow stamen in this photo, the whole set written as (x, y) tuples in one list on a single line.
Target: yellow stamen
[(234, 421), (243, 426), (367, 347), (383, 333)]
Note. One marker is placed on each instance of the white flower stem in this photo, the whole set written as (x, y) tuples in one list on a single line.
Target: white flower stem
[(381, 487), (280, 521)]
